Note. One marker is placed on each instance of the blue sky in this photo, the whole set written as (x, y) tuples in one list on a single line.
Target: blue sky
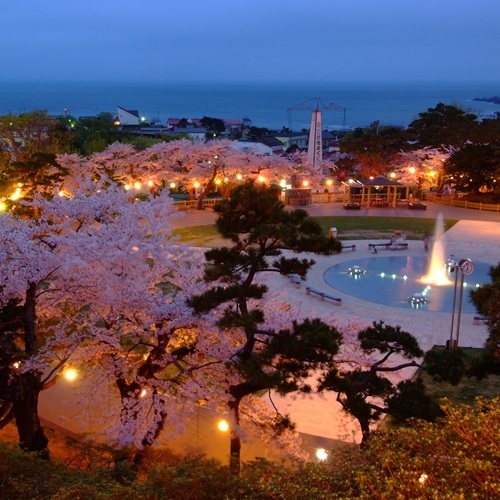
[(256, 40)]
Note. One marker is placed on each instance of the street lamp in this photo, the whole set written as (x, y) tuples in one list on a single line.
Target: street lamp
[(465, 267)]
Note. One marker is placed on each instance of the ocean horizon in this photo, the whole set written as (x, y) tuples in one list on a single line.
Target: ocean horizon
[(265, 104)]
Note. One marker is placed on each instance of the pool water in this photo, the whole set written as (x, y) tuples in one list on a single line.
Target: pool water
[(391, 280)]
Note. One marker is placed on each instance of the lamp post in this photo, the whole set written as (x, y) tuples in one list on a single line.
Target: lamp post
[(465, 267)]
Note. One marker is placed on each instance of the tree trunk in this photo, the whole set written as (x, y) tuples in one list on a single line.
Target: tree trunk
[(25, 408), (365, 431), (234, 455)]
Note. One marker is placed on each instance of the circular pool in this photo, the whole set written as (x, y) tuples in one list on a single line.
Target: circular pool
[(393, 280)]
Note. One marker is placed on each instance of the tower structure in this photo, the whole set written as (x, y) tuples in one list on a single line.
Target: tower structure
[(315, 147)]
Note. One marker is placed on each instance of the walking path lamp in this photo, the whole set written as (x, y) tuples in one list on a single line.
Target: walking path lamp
[(464, 267)]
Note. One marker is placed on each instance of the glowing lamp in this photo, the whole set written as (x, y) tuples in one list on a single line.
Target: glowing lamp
[(223, 425), (70, 374)]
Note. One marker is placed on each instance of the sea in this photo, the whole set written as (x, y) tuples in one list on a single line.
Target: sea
[(272, 105)]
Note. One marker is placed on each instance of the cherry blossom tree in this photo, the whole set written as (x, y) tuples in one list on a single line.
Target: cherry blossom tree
[(29, 266), (135, 331)]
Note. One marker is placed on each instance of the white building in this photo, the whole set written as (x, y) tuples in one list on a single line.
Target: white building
[(127, 116)]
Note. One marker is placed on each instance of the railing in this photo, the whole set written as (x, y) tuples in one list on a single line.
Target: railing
[(206, 202), (458, 202), (327, 197), (337, 198)]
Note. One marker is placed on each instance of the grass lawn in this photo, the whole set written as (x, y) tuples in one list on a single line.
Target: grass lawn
[(362, 228), (468, 388), (349, 228)]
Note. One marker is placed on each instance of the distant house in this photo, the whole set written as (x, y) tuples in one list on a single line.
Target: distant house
[(289, 139), (193, 133), (233, 127), (128, 116), (273, 143)]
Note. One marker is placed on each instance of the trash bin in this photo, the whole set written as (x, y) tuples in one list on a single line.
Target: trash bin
[(332, 232)]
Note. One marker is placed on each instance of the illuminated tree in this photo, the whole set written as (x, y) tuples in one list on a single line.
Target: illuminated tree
[(30, 262)]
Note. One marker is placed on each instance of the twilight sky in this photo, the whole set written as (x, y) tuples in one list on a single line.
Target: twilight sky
[(255, 40)]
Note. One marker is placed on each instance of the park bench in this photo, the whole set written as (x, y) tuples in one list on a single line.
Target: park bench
[(352, 247), (337, 301), (352, 206), (416, 205), (478, 319), (387, 246)]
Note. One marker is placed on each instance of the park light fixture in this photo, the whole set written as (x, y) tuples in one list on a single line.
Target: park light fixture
[(196, 184), (329, 182), (127, 187), (218, 182), (70, 375), (412, 170), (321, 454), (261, 179), (16, 195), (223, 425), (239, 177), (150, 183), (137, 185), (305, 183), (423, 478), (172, 185)]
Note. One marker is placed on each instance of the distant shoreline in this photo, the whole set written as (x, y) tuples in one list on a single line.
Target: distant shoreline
[(492, 100)]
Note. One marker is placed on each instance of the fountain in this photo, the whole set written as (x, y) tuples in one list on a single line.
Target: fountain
[(437, 273), (412, 281)]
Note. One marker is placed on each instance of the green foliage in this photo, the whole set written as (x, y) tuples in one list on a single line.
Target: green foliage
[(486, 298), (373, 149), (443, 125), (474, 166), (93, 134), (445, 365), (455, 457), (356, 388), (214, 125), (412, 401), (389, 339)]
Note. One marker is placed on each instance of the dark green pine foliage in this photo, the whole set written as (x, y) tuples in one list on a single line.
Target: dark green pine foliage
[(260, 228), (486, 298), (356, 388)]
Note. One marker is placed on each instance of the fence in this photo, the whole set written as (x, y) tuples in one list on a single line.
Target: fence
[(337, 198), (458, 202), (186, 204)]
